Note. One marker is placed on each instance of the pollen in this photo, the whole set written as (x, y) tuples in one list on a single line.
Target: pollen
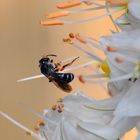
[(68, 5), (55, 15)]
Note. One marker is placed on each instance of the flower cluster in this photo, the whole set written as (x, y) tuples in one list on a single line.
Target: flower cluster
[(78, 116)]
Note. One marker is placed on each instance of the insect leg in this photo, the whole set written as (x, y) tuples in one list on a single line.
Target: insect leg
[(68, 64)]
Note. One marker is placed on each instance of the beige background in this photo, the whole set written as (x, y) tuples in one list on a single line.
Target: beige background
[(22, 42)]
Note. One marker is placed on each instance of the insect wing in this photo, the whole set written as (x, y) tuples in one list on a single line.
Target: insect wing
[(65, 87)]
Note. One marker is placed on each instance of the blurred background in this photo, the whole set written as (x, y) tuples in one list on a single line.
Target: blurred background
[(22, 42)]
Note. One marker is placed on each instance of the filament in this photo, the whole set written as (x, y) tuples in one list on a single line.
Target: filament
[(35, 135)]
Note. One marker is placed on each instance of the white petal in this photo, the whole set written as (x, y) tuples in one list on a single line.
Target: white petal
[(103, 132), (130, 104), (134, 8)]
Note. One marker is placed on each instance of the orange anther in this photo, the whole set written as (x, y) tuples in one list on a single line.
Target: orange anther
[(66, 40), (60, 100), (110, 93), (41, 123), (117, 2), (119, 60), (36, 128), (80, 39), (55, 15), (28, 133), (68, 5), (50, 23), (71, 35), (60, 110), (81, 79), (110, 49), (54, 107), (87, 2)]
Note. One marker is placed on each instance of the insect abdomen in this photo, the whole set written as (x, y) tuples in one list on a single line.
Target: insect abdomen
[(65, 77)]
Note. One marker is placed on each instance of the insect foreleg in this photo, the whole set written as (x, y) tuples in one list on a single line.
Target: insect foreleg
[(68, 64)]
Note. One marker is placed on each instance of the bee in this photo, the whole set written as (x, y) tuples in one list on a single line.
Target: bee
[(52, 72)]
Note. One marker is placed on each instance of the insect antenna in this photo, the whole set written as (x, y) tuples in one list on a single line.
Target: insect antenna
[(52, 55)]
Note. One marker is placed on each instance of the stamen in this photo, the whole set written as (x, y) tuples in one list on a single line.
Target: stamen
[(42, 117), (111, 18), (130, 59), (54, 107), (36, 128), (31, 78), (91, 9), (87, 2), (81, 79), (68, 40), (71, 35), (117, 2), (119, 60), (41, 123), (88, 53), (66, 13), (110, 93), (50, 23), (95, 81), (95, 18), (28, 131), (60, 100), (99, 109), (68, 5), (101, 75), (110, 49), (60, 110), (55, 15), (77, 36), (90, 42), (120, 78), (80, 66), (61, 22)]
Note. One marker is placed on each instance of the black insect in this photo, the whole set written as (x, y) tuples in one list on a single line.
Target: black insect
[(52, 72)]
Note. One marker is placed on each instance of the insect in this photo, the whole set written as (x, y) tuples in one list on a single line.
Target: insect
[(52, 71)]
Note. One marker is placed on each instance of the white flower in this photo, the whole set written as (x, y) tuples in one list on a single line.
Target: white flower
[(131, 19), (125, 59), (76, 117)]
